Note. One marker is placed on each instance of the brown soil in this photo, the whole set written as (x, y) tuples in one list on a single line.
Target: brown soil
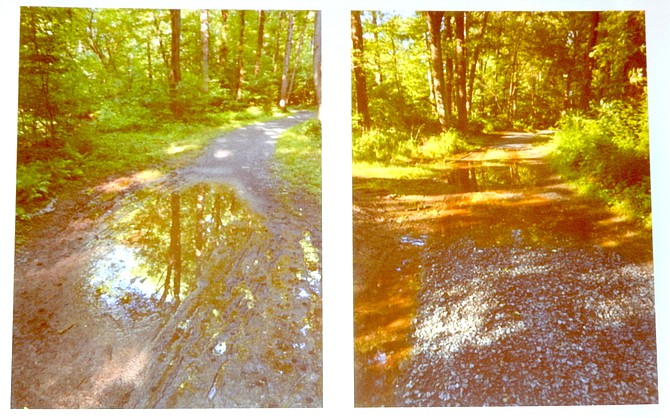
[(463, 281)]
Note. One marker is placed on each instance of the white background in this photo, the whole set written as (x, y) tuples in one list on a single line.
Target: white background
[(337, 237)]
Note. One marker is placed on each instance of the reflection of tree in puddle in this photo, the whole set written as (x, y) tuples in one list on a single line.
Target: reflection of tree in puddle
[(475, 177), (243, 300), (156, 246)]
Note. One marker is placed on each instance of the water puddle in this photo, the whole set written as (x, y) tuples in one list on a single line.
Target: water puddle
[(159, 246), (488, 176), (419, 241), (235, 300)]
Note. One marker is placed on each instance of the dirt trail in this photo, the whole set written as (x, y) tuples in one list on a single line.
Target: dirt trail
[(198, 289), (498, 285)]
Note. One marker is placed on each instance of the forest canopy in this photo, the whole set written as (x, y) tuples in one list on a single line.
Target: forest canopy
[(431, 84), (129, 66), (131, 81), (493, 70)]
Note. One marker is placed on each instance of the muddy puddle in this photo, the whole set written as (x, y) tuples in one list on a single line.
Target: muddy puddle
[(463, 281), (184, 298), (152, 252), (238, 306)]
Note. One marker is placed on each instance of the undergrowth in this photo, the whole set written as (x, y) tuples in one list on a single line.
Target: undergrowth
[(396, 154), (607, 156), (393, 146), (117, 145), (298, 158)]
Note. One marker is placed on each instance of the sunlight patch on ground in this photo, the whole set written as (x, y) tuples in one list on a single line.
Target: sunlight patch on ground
[(460, 324), (370, 170), (222, 153), (178, 149), (122, 183)]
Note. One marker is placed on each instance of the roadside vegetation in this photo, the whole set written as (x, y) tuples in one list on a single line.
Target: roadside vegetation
[(606, 155), (397, 154), (298, 158), (110, 92), (100, 150)]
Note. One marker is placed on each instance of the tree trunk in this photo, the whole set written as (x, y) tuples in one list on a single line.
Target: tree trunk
[(317, 59), (449, 64), (434, 20), (283, 94), (461, 104), (175, 65), (379, 75), (240, 58), (359, 74), (296, 61), (223, 50), (262, 15), (589, 61), (277, 44), (473, 63), (204, 37), (150, 67)]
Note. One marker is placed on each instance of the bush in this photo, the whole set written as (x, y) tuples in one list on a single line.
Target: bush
[(382, 145), (32, 183), (611, 151), (444, 145)]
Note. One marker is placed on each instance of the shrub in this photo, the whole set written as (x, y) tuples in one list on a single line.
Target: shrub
[(444, 145), (32, 183), (611, 151), (387, 145)]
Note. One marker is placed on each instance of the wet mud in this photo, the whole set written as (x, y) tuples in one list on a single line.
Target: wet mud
[(181, 294), (498, 285)]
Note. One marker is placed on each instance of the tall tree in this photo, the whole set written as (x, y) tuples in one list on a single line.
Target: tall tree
[(589, 60), (175, 64), (461, 96), (317, 59), (294, 69), (262, 16), (449, 67), (434, 20), (283, 95), (239, 72), (359, 73), (204, 36), (224, 49), (474, 61)]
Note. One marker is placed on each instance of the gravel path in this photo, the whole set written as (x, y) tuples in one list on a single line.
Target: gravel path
[(515, 325), (241, 159), (494, 283)]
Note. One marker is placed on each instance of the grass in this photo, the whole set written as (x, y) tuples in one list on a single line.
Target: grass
[(395, 155), (96, 154), (298, 158), (371, 170), (607, 157)]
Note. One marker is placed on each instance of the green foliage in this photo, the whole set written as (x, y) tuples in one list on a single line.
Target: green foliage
[(298, 156), (96, 152), (397, 146), (611, 152), (530, 67), (443, 145), (32, 183), (388, 145), (95, 97)]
